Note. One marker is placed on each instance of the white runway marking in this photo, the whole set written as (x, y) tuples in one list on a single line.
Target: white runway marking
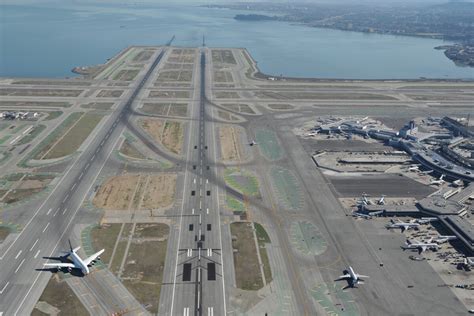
[(1, 292), (193, 211), (46, 227), (49, 211), (65, 210), (37, 253), (207, 211), (34, 244), (210, 311), (18, 254), (19, 266), (186, 311)]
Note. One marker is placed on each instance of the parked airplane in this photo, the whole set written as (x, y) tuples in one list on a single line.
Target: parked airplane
[(381, 201), (457, 183), (414, 168), (364, 200), (421, 246), (367, 215), (402, 225), (77, 262), (352, 278), (442, 239), (426, 220), (439, 181)]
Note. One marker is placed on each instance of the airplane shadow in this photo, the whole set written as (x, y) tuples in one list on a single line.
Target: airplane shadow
[(73, 272)]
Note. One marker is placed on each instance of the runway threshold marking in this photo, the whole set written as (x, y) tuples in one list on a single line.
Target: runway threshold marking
[(210, 311), (186, 311)]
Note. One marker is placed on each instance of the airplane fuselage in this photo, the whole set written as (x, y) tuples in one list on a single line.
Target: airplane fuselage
[(79, 263)]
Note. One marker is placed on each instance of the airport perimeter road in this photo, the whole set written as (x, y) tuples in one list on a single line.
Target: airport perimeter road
[(47, 231), (194, 283)]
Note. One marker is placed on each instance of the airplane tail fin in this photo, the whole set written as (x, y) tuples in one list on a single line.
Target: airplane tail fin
[(70, 245)]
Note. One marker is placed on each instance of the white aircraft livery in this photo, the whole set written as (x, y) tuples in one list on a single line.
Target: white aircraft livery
[(352, 278), (77, 262)]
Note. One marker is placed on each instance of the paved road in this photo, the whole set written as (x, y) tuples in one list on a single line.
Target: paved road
[(46, 233)]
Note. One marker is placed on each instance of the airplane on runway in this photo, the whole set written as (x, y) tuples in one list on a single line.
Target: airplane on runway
[(421, 246), (77, 262), (439, 181), (402, 225), (352, 278)]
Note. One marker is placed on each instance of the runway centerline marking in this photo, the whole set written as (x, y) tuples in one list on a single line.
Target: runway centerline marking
[(37, 253), (49, 211), (19, 266), (3, 289), (34, 244), (18, 254), (44, 229)]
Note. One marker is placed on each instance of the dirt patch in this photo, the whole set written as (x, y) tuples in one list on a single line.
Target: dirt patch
[(58, 297), (168, 133), (165, 109), (109, 93), (136, 191), (143, 271), (247, 268), (160, 191), (231, 147), (223, 56), (117, 192), (170, 94)]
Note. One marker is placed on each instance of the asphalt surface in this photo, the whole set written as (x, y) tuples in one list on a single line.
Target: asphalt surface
[(22, 277)]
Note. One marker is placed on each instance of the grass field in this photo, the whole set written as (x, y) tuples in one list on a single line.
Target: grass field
[(4, 232), (98, 105), (35, 131), (268, 144), (39, 104), (40, 92), (263, 239), (242, 181), (128, 149), (68, 143), (247, 269), (109, 93), (52, 115)]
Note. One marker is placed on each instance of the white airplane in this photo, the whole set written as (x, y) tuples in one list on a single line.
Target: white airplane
[(442, 239), (414, 168), (352, 278), (364, 200), (439, 181), (253, 143), (77, 262), (402, 225), (426, 220), (421, 246), (381, 201), (457, 183)]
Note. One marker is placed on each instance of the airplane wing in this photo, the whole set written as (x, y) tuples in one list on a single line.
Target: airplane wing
[(362, 276), (60, 265), (88, 261), (344, 277)]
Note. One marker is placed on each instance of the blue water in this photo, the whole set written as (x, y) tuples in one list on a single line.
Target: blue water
[(47, 41)]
